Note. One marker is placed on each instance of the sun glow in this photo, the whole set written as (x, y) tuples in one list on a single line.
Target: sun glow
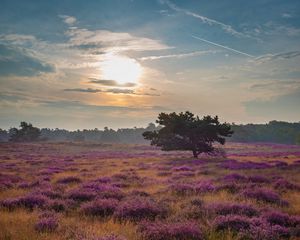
[(121, 69)]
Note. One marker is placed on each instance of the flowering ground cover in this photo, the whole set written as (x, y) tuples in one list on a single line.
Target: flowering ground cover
[(89, 191)]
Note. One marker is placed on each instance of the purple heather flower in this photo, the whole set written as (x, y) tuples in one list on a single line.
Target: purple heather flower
[(81, 195), (258, 179), (261, 230), (183, 168), (264, 195), (100, 207), (281, 219), (233, 209), (170, 231), (70, 179), (234, 177), (46, 224), (204, 187), (138, 208), (285, 185), (231, 222), (110, 237)]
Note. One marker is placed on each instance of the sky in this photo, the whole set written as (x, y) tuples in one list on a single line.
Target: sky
[(118, 63)]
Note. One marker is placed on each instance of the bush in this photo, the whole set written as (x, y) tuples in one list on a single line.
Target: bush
[(48, 223), (234, 209), (100, 207), (281, 219), (258, 179), (29, 201), (81, 195), (234, 177), (264, 195), (70, 179), (285, 185), (170, 231), (262, 230), (231, 222), (111, 237), (182, 188), (138, 208)]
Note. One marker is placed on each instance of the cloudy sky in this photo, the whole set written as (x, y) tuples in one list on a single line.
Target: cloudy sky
[(118, 63)]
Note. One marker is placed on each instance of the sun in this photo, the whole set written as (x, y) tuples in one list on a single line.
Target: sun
[(121, 69)]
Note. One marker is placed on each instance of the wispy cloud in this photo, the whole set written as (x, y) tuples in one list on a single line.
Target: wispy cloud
[(227, 28), (88, 107), (108, 41), (68, 19), (110, 90), (120, 91), (271, 57), (20, 62), (180, 55), (111, 83), (85, 90), (286, 15), (224, 47), (276, 85)]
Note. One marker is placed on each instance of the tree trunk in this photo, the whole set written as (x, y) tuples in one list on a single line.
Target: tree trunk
[(195, 154)]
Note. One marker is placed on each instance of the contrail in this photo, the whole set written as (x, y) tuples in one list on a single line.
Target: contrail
[(225, 47)]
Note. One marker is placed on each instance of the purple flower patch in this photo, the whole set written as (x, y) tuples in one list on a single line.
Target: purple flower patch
[(231, 222), (264, 195), (234, 209), (139, 208), (100, 207), (70, 179), (47, 224), (170, 231)]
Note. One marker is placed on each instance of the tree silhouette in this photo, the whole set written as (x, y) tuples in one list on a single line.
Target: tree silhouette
[(185, 131), (26, 133)]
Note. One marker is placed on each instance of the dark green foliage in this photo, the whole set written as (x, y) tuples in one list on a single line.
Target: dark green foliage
[(26, 133), (3, 135), (185, 131), (274, 131)]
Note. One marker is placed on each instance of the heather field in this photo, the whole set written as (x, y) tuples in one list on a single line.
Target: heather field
[(88, 191)]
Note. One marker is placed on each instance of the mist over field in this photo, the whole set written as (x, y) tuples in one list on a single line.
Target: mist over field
[(149, 120)]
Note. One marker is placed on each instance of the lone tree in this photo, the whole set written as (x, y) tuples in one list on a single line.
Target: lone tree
[(185, 131), (26, 133)]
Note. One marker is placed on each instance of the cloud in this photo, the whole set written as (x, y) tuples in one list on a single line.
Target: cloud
[(68, 19), (120, 91), (89, 107), (273, 28), (20, 62), (18, 39), (111, 83), (11, 98), (85, 90), (286, 15), (278, 56), (276, 85), (108, 41), (181, 55), (130, 92), (112, 90), (227, 28)]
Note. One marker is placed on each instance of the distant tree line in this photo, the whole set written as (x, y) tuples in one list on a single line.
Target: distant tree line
[(274, 131)]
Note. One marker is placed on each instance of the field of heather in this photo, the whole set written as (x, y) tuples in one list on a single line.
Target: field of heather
[(86, 191)]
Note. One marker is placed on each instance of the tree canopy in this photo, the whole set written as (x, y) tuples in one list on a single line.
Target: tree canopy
[(26, 133), (185, 131)]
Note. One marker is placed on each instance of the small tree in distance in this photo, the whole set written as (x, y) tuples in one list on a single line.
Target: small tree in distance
[(26, 133), (185, 131)]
